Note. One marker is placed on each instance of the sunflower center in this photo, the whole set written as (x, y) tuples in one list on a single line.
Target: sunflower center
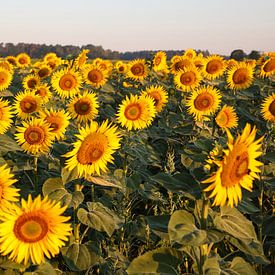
[(22, 60), (34, 135), (54, 126), (95, 76), (92, 148), (137, 69), (31, 83), (41, 92), (121, 68), (271, 108), (133, 111), (156, 96), (188, 78), (213, 66), (82, 107), (30, 228), (67, 82), (203, 101), (240, 76), (269, 66), (44, 72), (28, 105), (3, 77), (157, 60)]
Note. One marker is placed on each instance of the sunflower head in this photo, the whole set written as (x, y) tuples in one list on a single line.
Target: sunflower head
[(121, 67), (43, 91), (238, 168), (6, 65), (94, 75), (30, 82), (213, 67), (268, 67), (159, 61), (81, 59), (12, 60), (137, 69), (227, 117), (23, 60), (6, 114), (94, 149), (43, 71), (190, 53), (5, 79), (268, 108), (181, 63)]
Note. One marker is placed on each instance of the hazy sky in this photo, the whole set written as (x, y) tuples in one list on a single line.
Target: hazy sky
[(217, 25)]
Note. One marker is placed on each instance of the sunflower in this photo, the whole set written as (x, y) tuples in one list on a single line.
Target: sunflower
[(12, 60), (268, 67), (34, 230), (159, 61), (203, 102), (159, 94), (240, 77), (6, 65), (84, 107), (198, 61), (43, 71), (180, 63), (137, 69), (49, 56), (5, 79), (227, 117), (26, 104), (136, 112), (237, 169), (121, 67), (231, 63), (81, 59), (35, 136), (106, 65), (5, 116), (43, 91), (213, 67), (187, 79), (268, 108), (58, 121), (190, 53), (30, 82), (23, 60), (94, 149), (8, 193), (66, 82), (94, 75)]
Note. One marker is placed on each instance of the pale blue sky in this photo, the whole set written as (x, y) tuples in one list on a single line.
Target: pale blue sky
[(217, 25)]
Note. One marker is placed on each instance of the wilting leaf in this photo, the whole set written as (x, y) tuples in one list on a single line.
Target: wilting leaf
[(102, 182), (68, 176)]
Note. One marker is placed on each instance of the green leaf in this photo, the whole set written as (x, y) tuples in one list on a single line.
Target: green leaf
[(99, 217), (183, 231), (44, 269), (77, 198), (240, 267), (54, 189), (77, 257), (270, 156), (211, 266), (68, 176), (269, 226), (7, 144), (231, 221), (164, 260)]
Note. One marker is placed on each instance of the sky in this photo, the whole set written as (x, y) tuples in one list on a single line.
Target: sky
[(130, 25)]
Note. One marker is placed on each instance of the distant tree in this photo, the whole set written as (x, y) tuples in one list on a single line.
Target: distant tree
[(254, 55), (238, 55)]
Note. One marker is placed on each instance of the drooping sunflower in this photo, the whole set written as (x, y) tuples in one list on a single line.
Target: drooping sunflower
[(43, 91), (34, 230), (190, 53), (159, 94), (137, 70), (58, 121), (26, 104), (84, 107), (94, 149), (43, 71), (136, 112), (8, 192), (23, 60), (5, 116), (198, 61), (203, 102), (268, 108), (213, 67), (12, 60), (240, 76), (5, 79), (121, 67), (81, 59), (159, 61), (187, 79), (30, 82), (66, 82), (180, 63), (268, 67), (94, 75), (35, 136), (237, 169), (227, 117)]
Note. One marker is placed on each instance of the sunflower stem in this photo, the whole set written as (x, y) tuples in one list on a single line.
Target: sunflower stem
[(76, 232), (35, 163)]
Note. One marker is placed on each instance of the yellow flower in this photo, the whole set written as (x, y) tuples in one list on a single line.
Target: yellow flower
[(6, 65), (121, 67), (136, 112), (35, 136), (5, 116), (159, 61), (190, 53), (94, 149), (43, 91), (23, 60), (268, 108), (33, 231), (203, 102), (66, 82), (240, 76), (30, 82), (237, 169), (84, 107), (137, 70), (94, 75), (268, 67), (159, 95), (5, 79), (43, 71), (227, 117), (58, 121), (12, 60), (81, 59), (26, 104), (180, 63), (213, 67)]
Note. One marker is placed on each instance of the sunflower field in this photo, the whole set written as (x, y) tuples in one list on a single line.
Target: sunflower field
[(140, 167)]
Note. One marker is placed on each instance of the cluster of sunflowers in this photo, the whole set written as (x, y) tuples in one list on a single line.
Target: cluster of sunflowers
[(61, 93)]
